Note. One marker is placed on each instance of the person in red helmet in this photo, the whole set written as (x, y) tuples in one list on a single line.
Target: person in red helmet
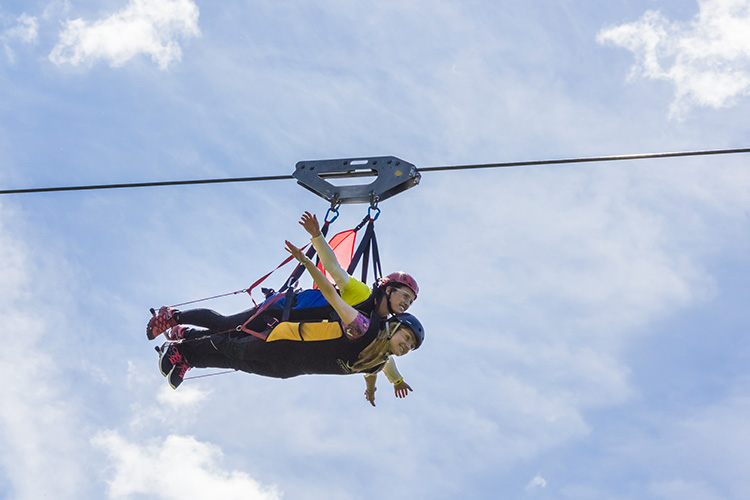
[(391, 295)]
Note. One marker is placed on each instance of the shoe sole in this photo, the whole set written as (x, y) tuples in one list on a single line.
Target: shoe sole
[(162, 353), (151, 324), (149, 331), (169, 378)]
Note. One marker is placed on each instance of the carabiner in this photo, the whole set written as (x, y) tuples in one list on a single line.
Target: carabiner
[(333, 210), (377, 213), (374, 199)]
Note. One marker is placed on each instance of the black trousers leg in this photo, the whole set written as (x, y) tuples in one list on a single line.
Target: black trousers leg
[(246, 353)]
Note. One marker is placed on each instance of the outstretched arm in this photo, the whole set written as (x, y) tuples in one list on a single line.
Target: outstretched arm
[(346, 312), (400, 388), (327, 257)]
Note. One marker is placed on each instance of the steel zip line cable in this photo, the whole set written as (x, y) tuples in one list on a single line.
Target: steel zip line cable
[(591, 159)]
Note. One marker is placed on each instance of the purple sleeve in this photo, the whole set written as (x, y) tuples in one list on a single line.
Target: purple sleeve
[(357, 328)]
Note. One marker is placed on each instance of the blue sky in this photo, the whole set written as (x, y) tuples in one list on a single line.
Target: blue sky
[(586, 324)]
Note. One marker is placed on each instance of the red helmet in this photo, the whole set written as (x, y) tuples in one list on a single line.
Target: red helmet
[(403, 279)]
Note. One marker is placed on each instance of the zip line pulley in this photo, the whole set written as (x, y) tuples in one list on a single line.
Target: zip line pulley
[(393, 176)]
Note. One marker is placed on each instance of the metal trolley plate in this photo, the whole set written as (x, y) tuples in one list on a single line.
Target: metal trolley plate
[(393, 176)]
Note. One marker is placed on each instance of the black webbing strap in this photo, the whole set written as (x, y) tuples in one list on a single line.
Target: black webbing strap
[(377, 271), (366, 251)]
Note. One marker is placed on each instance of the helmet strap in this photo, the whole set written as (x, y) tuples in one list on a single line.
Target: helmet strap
[(392, 333), (388, 301)]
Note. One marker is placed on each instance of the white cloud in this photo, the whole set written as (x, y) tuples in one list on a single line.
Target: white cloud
[(179, 400), (37, 422), (707, 59), (178, 467), (536, 482), (597, 247), (56, 9), (149, 27), (26, 30)]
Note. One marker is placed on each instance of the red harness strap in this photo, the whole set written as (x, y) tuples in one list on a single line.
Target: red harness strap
[(249, 290), (265, 305)]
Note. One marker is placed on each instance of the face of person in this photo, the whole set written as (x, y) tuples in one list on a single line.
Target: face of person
[(401, 299), (402, 341)]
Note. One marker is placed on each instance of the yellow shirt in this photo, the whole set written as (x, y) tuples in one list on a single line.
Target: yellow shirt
[(355, 292)]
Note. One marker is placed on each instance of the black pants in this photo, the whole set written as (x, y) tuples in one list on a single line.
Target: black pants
[(218, 323), (210, 319), (240, 352)]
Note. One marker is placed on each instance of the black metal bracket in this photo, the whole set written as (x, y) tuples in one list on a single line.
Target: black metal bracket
[(393, 176)]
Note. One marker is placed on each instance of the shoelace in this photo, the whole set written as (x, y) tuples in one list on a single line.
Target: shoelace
[(182, 369), (175, 357)]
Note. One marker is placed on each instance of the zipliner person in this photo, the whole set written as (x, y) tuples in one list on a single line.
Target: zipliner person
[(356, 344), (391, 295)]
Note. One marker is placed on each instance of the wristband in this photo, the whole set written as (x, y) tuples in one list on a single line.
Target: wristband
[(398, 381)]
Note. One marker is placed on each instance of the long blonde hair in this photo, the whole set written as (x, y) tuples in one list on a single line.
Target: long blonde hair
[(378, 351)]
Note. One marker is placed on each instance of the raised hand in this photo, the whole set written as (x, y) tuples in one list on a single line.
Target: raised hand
[(310, 223)]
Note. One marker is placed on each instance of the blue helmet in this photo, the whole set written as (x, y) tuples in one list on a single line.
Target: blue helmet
[(416, 326)]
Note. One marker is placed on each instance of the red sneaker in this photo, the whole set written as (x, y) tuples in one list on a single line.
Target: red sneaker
[(176, 333), (161, 322), (177, 375), (172, 364)]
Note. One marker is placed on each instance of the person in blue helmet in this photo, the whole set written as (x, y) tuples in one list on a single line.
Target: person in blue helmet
[(391, 295), (354, 344)]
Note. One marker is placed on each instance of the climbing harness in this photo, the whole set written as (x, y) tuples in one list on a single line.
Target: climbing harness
[(366, 252)]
